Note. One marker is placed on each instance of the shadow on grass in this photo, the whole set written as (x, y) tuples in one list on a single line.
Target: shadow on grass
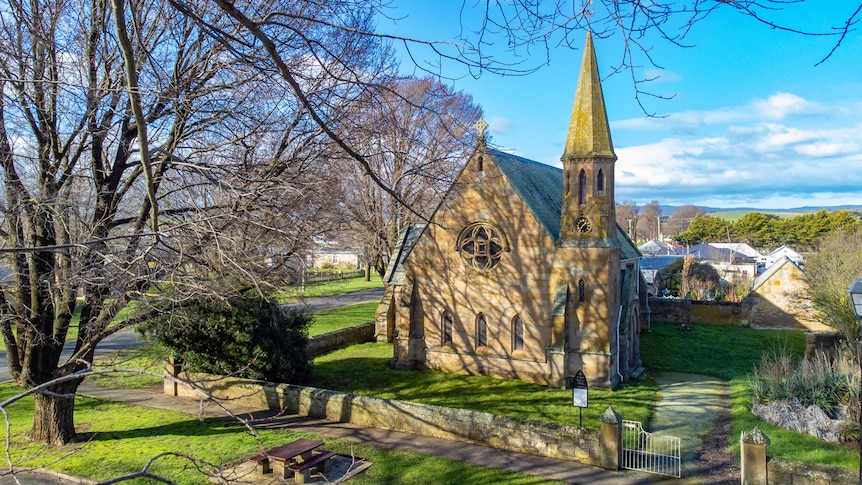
[(372, 376)]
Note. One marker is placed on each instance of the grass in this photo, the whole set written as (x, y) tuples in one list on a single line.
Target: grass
[(119, 439), (364, 369), (331, 320), (731, 353), (328, 288)]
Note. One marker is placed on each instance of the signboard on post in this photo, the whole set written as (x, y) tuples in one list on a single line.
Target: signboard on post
[(580, 396)]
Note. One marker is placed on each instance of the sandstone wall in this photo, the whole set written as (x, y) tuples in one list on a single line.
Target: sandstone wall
[(514, 434), (781, 472), (356, 334)]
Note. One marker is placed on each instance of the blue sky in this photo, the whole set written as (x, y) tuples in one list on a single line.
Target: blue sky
[(753, 121)]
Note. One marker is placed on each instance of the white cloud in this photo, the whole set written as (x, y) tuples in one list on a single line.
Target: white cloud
[(780, 105)]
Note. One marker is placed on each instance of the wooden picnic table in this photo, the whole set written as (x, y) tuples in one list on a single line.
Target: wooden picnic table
[(278, 459)]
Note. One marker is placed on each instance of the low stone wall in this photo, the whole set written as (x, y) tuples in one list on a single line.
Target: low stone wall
[(758, 469), (672, 310), (514, 434), (752, 312), (791, 472), (356, 334)]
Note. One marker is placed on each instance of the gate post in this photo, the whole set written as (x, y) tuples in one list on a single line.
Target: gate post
[(611, 440), (753, 456), (173, 367)]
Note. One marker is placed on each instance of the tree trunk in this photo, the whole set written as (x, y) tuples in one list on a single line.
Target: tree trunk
[(54, 414)]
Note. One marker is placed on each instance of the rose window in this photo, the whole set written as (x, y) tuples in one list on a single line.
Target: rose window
[(481, 246)]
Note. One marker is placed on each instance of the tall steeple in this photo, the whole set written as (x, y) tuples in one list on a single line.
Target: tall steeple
[(589, 134), (588, 164)]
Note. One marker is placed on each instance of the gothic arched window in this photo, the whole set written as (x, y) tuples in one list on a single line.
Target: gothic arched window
[(481, 331), (582, 188), (446, 324), (517, 333), (581, 291), (600, 181)]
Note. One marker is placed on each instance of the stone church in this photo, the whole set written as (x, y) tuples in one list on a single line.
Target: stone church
[(522, 271)]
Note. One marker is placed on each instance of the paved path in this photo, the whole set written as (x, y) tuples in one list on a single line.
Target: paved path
[(688, 407), (345, 299)]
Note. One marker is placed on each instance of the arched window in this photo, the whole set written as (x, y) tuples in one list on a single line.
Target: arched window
[(517, 333), (481, 164), (446, 325), (582, 188), (600, 181), (481, 331), (581, 291)]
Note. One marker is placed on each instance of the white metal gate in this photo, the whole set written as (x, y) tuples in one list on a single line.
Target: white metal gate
[(650, 453)]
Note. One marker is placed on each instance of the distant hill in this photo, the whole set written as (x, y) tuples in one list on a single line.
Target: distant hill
[(734, 213)]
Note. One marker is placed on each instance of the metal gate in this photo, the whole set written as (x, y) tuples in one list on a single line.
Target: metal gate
[(650, 453)]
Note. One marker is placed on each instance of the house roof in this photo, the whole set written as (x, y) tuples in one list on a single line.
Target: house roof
[(741, 248), (712, 253), (541, 188), (654, 247)]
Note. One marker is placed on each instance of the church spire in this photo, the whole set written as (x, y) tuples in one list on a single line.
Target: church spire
[(589, 135)]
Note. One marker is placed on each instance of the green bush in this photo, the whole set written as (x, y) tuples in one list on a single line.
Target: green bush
[(249, 338)]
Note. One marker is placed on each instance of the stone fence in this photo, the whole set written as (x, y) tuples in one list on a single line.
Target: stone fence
[(599, 448), (356, 334), (758, 469)]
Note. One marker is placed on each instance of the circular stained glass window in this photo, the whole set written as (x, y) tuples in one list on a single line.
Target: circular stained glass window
[(481, 246)]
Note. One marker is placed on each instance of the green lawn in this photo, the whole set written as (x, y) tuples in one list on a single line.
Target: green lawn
[(364, 369), (331, 320), (731, 353), (118, 439), (328, 288)]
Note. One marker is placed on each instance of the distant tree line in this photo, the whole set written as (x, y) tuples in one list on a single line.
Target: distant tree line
[(767, 230)]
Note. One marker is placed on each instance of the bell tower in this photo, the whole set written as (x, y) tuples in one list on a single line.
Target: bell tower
[(588, 212)]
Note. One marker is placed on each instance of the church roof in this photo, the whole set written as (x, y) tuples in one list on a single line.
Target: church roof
[(541, 188), (589, 133), (406, 240)]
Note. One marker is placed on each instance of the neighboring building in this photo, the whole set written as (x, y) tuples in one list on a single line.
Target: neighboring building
[(656, 248), (779, 299), (326, 257), (779, 254), (651, 267), (739, 248), (522, 271)]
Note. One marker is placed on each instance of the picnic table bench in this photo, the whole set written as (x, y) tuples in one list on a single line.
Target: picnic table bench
[(294, 458)]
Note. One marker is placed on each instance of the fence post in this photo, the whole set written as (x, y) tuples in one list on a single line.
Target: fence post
[(173, 367), (753, 457), (611, 440)]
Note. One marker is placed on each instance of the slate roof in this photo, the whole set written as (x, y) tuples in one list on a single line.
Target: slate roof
[(541, 188), (406, 240)]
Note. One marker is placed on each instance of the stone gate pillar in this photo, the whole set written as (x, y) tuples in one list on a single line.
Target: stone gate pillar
[(611, 440), (753, 456)]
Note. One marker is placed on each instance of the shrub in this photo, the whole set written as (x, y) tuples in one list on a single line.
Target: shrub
[(250, 338), (827, 382)]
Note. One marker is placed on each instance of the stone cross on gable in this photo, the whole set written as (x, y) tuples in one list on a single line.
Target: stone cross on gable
[(481, 125)]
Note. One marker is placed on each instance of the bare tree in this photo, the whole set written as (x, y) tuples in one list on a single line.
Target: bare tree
[(681, 219), (145, 165), (649, 222), (417, 136), (627, 216), (829, 272)]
